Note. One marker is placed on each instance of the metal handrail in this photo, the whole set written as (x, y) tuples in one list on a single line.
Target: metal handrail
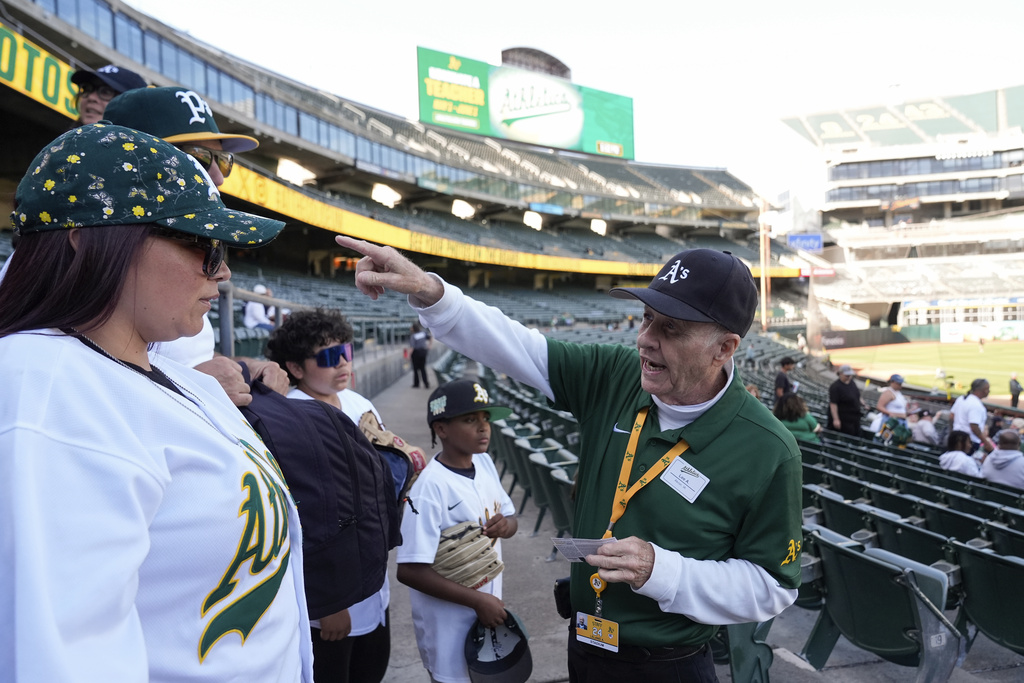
[(371, 336)]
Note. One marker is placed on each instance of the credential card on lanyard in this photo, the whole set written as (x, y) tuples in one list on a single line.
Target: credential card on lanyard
[(684, 479)]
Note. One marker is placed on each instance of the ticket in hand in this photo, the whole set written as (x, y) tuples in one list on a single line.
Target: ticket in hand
[(575, 549)]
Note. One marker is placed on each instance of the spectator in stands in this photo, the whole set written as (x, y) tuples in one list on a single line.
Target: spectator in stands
[(419, 340), (749, 356), (970, 415), (185, 120), (677, 568), (258, 315), (997, 422), (1014, 390), (845, 403), (97, 88), (792, 413), (1005, 465), (891, 401), (924, 430), (958, 458), (753, 391), (943, 425), (315, 348), (783, 385), (1018, 425), (138, 518)]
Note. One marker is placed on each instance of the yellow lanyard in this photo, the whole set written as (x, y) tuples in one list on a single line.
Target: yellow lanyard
[(625, 494)]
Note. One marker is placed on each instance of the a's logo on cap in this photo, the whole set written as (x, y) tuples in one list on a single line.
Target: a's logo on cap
[(108, 69), (675, 273), (196, 103), (481, 394), (437, 406)]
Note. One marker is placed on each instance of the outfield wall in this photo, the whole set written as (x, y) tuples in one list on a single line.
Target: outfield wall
[(876, 336)]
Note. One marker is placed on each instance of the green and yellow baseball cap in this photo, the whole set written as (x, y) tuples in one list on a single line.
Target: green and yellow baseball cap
[(110, 175), (177, 115)]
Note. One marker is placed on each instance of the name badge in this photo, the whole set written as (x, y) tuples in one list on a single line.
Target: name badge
[(684, 479), (596, 631)]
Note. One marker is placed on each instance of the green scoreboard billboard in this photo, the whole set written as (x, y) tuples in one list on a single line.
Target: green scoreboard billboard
[(526, 106)]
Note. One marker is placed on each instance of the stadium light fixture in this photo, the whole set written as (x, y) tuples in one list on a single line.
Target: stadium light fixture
[(533, 220), (385, 194), (294, 173), (599, 226), (462, 209)]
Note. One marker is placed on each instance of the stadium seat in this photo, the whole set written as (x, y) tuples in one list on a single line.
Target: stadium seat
[(882, 603), (743, 647), (890, 499), (950, 523), (543, 486), (840, 516), (991, 598), (1005, 540), (546, 489), (565, 476), (848, 487)]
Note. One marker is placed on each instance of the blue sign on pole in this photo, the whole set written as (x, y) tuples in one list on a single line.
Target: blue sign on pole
[(806, 242)]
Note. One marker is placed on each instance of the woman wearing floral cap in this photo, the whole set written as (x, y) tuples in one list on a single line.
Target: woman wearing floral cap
[(147, 533)]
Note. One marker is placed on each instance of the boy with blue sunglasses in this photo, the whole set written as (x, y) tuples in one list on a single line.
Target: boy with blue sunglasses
[(315, 348)]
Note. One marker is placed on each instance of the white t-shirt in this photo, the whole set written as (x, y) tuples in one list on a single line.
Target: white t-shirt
[(132, 521), (442, 498), (367, 614), (189, 351), (968, 410), (256, 313)]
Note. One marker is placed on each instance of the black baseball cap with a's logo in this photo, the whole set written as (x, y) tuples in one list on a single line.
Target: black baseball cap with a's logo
[(115, 77), (460, 397), (701, 285)]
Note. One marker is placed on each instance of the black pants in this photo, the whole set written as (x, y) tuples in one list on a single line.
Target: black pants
[(848, 425), (357, 659), (590, 665), (419, 368), (1014, 399)]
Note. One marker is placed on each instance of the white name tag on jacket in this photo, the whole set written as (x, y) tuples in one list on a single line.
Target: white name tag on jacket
[(684, 479)]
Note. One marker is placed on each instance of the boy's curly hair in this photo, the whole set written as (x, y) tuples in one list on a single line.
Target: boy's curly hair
[(303, 331)]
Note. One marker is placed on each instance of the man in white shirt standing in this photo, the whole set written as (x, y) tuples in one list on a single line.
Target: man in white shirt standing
[(970, 415)]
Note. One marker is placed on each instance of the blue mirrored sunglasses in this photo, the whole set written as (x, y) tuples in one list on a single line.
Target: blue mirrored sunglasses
[(332, 355)]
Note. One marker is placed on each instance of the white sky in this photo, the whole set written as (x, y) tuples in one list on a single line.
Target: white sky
[(710, 81)]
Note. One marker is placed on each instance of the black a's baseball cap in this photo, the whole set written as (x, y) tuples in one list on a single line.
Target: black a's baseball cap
[(701, 285), (115, 77), (460, 397)]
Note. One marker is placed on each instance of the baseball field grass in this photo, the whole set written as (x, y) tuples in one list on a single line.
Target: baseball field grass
[(919, 362)]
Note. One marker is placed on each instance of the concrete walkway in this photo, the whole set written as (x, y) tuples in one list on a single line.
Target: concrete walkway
[(529, 578)]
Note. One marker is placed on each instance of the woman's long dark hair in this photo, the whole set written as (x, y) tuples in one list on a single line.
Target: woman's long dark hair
[(50, 284), (790, 407)]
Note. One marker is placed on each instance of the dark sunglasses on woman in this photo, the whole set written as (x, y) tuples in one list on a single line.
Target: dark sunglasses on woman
[(205, 156), (213, 250), (332, 355), (104, 92)]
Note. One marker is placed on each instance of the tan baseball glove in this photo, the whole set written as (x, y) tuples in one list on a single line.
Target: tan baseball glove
[(466, 556)]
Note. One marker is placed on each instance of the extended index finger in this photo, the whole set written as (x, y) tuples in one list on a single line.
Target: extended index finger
[(363, 247)]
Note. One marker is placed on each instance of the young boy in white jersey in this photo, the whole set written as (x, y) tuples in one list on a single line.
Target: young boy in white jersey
[(460, 484)]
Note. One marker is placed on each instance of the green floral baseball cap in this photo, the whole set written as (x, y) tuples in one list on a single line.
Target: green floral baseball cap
[(103, 174)]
